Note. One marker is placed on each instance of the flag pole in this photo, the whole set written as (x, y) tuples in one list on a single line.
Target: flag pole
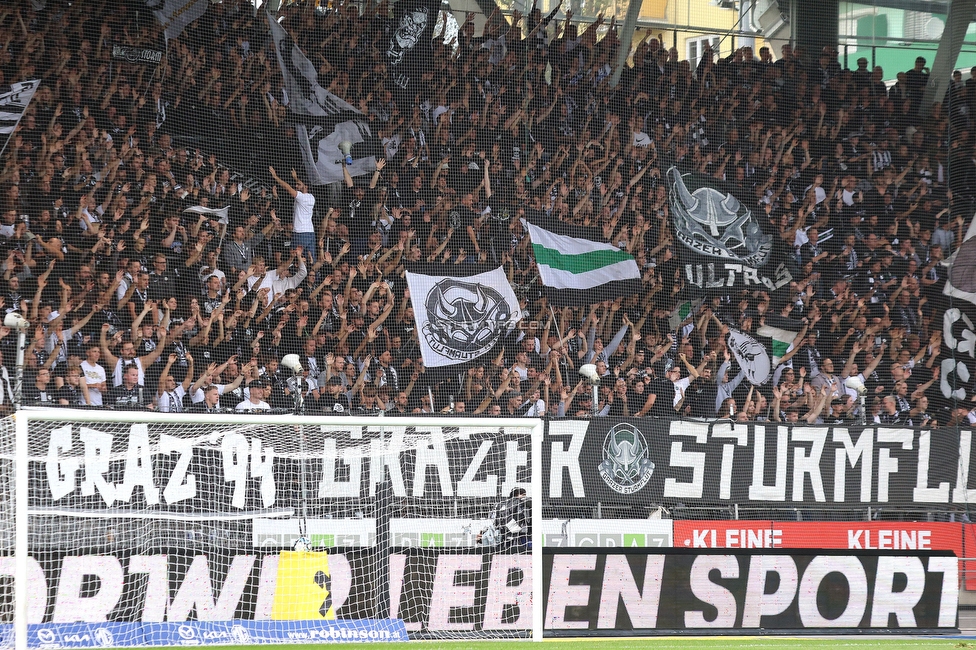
[(555, 320)]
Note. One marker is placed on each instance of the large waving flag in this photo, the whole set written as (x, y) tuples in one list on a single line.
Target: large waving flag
[(13, 102), (323, 121), (962, 268), (462, 311), (577, 267)]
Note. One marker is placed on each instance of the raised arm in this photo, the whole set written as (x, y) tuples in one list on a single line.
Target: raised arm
[(111, 358), (164, 375), (877, 360), (202, 379), (84, 321), (285, 184), (148, 360), (692, 370), (188, 379), (797, 340)]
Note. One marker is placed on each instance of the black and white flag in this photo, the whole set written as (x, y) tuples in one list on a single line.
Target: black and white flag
[(462, 311), (751, 355), (13, 102), (408, 47), (323, 121), (220, 213), (724, 245)]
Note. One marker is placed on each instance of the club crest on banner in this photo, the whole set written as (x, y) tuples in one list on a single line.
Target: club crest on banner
[(712, 222), (626, 466), (465, 319), (751, 355), (724, 245)]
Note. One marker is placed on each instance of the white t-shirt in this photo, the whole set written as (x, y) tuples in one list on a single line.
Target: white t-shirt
[(198, 396), (92, 218), (302, 220), (248, 405), (117, 375), (267, 283), (536, 410), (680, 387), (169, 398), (94, 374)]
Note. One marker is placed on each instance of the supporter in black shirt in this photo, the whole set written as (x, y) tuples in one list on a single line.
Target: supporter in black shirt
[(40, 392), (129, 394), (334, 400)]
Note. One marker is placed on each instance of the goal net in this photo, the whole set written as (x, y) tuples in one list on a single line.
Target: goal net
[(164, 530)]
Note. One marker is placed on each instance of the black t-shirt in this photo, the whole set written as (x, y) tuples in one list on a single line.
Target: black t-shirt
[(355, 214), (232, 398), (32, 395), (121, 397), (664, 403), (70, 394), (334, 404), (701, 397)]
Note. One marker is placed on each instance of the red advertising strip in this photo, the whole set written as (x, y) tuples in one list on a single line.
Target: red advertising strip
[(883, 535)]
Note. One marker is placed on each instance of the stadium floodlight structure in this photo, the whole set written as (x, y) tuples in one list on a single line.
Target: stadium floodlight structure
[(172, 528)]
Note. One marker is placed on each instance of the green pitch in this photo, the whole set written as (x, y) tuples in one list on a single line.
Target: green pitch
[(695, 643)]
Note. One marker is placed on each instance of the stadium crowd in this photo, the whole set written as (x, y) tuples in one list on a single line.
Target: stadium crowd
[(134, 303)]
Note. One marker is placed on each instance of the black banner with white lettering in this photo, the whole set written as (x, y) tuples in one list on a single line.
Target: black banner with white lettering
[(641, 462), (408, 47), (620, 591), (131, 54), (627, 462)]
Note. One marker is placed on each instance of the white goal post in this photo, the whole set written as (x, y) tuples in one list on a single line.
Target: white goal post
[(118, 495)]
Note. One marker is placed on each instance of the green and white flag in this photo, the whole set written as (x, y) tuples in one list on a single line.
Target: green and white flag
[(781, 331), (682, 312), (578, 267)]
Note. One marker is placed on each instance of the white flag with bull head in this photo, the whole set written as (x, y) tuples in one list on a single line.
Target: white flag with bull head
[(462, 311)]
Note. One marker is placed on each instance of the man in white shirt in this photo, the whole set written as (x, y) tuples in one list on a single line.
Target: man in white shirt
[(681, 384), (128, 357), (169, 395), (94, 374), (303, 228), (277, 281), (213, 375), (255, 400), (536, 405)]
